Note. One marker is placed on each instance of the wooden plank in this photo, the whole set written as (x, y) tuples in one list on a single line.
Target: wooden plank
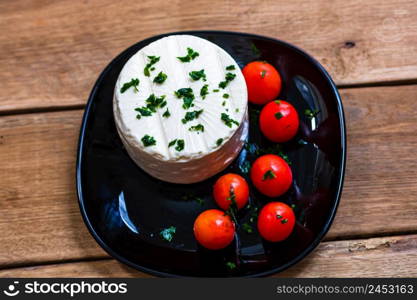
[(51, 52), (99, 268), (380, 183), (39, 217), (377, 257)]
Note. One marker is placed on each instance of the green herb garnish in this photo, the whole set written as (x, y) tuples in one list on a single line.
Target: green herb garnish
[(204, 91), (172, 143), (232, 210), (252, 148), (247, 228), (216, 90), (188, 102), (228, 121), (223, 103), (226, 96), (197, 75), (199, 200), (160, 78), (134, 82), (143, 111), (232, 196), (191, 115), (230, 68), (154, 102), (311, 113), (253, 215), (237, 110), (219, 142), (263, 73), (148, 140), (279, 217), (192, 197), (255, 49), (231, 265), (166, 114), (278, 115), (198, 127), (180, 145), (229, 77), (284, 221), (187, 96), (191, 54), (275, 149), (152, 60), (269, 175), (168, 233)]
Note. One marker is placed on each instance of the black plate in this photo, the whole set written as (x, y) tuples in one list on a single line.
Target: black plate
[(125, 209)]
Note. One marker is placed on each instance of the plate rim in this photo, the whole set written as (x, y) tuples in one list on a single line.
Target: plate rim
[(313, 245)]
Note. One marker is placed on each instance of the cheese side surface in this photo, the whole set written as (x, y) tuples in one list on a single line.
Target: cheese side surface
[(180, 107)]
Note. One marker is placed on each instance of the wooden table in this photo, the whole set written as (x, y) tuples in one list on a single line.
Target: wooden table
[(51, 53)]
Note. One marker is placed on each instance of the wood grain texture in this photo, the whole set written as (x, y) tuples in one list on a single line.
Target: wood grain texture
[(380, 189), (376, 257), (51, 52), (39, 215)]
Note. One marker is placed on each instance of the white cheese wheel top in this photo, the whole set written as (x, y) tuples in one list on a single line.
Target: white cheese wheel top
[(230, 100)]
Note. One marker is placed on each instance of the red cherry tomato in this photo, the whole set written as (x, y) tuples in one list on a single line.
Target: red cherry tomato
[(213, 229), (279, 121), (263, 82), (276, 221), (228, 186), (271, 175)]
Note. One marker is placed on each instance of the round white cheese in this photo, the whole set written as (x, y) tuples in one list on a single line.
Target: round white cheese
[(156, 130)]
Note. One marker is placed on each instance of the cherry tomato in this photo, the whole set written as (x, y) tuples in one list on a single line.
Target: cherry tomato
[(231, 186), (271, 175), (213, 229), (279, 121), (263, 82), (276, 221)]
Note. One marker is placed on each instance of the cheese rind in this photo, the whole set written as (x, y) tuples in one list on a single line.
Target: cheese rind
[(201, 153)]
